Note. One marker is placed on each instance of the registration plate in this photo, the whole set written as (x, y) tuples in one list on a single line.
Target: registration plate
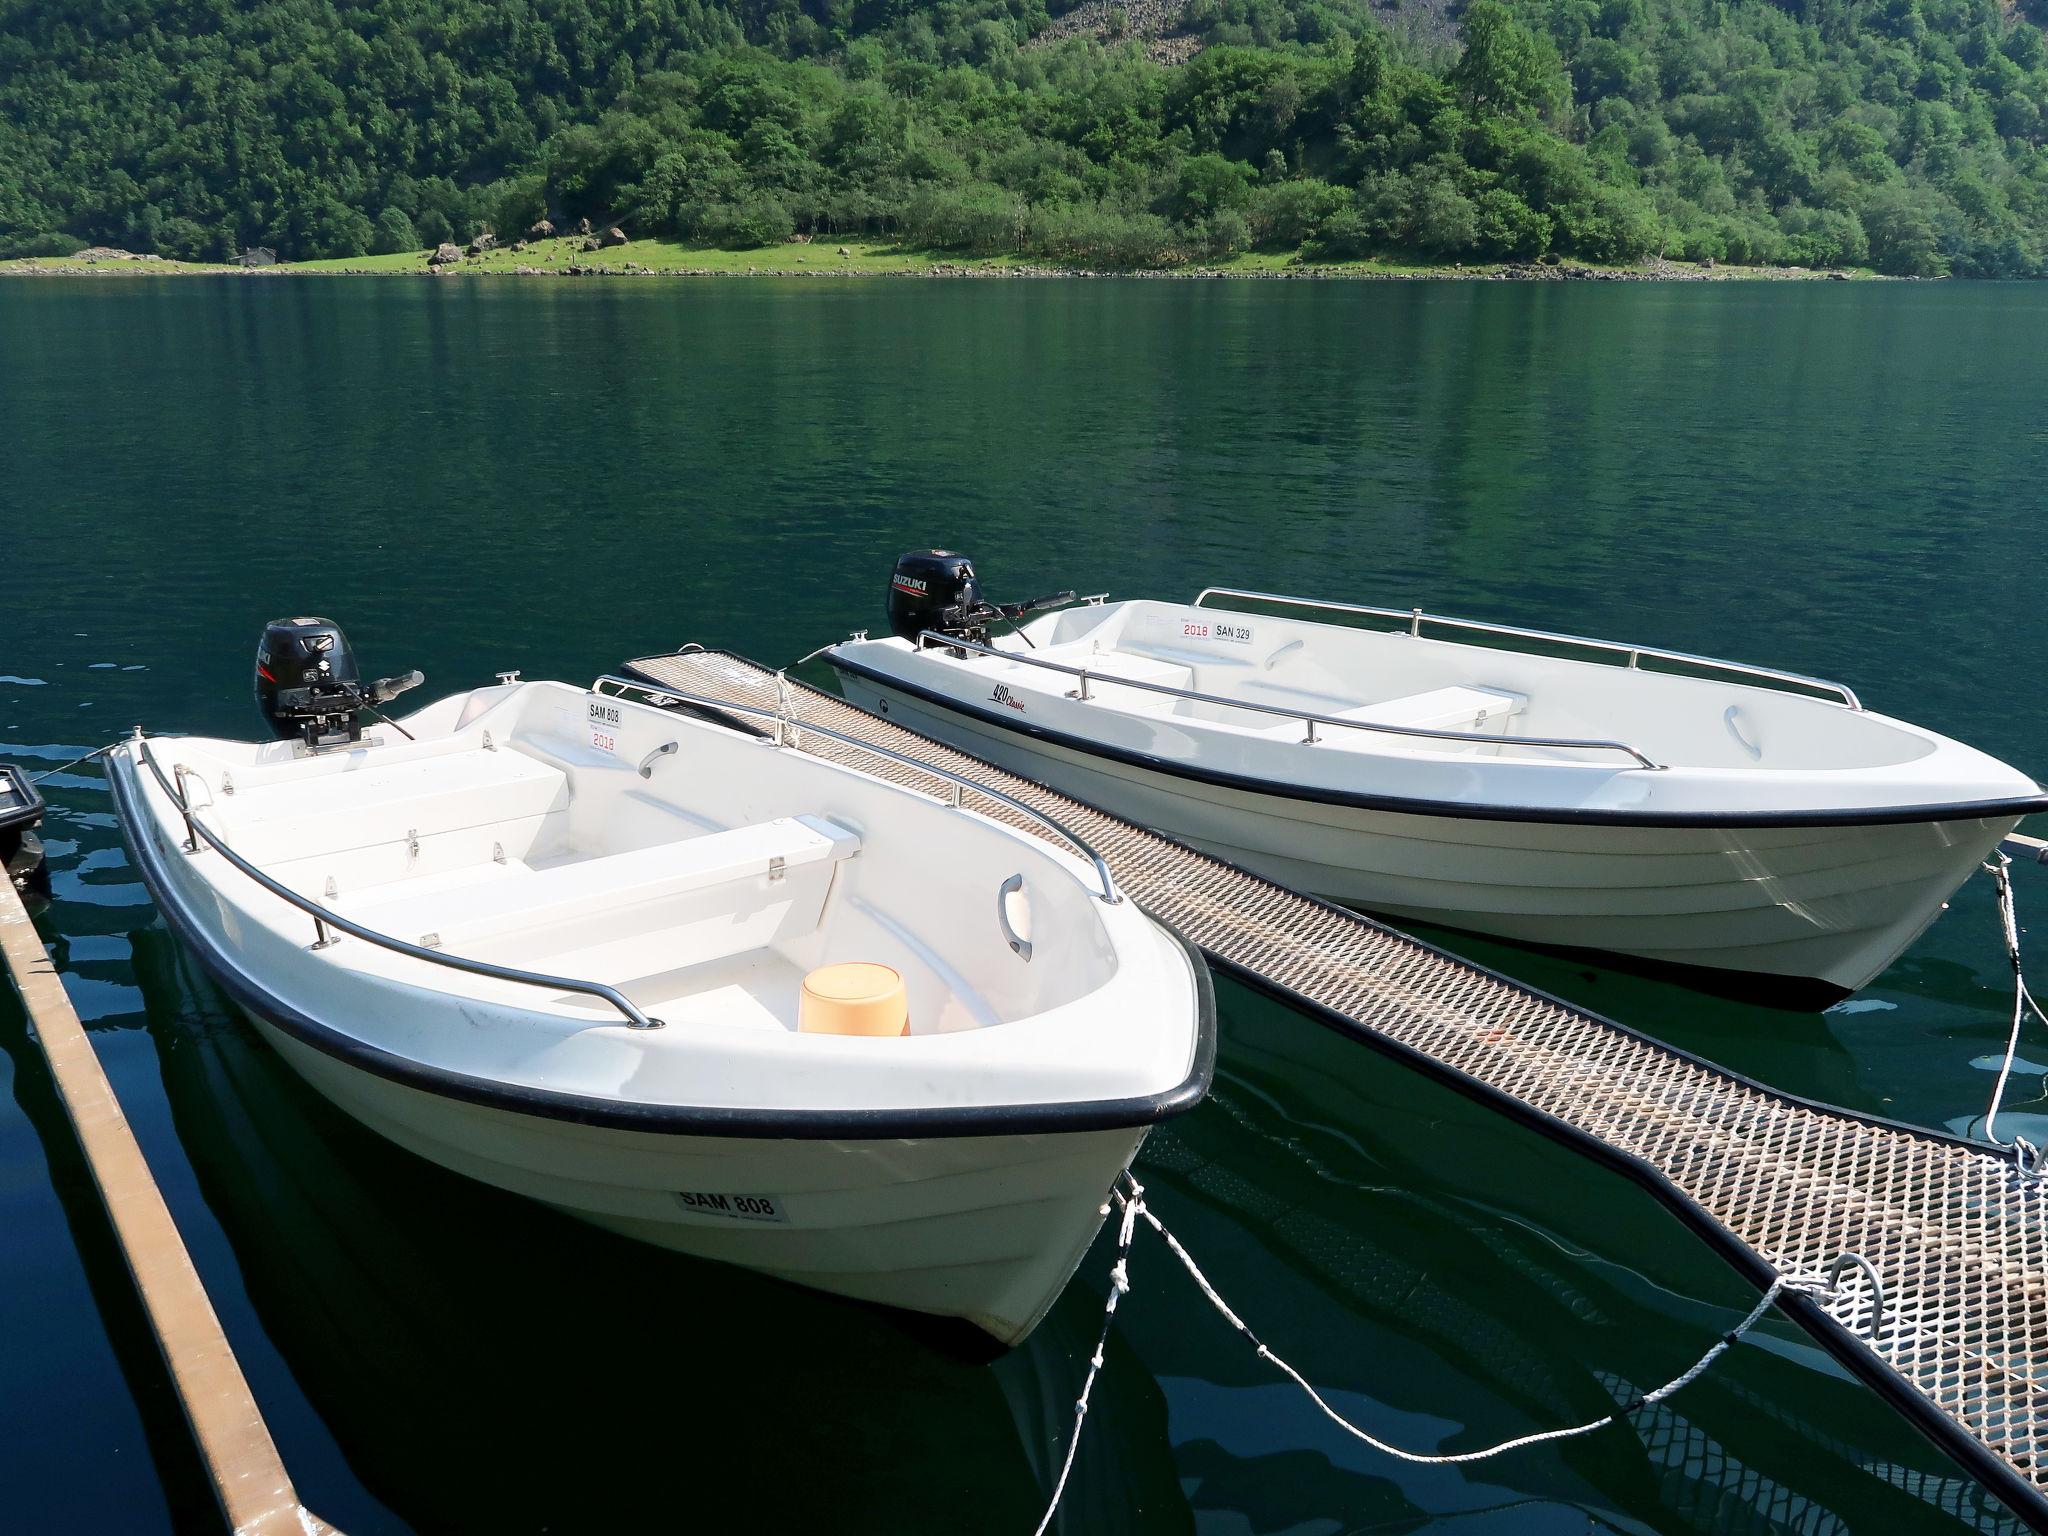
[(730, 1207)]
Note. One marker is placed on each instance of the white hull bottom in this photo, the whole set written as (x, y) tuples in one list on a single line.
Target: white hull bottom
[(1833, 905), (985, 1228)]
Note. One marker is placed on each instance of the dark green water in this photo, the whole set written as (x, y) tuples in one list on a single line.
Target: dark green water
[(1842, 479)]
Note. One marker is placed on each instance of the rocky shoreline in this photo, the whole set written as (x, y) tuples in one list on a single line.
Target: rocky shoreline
[(1658, 271)]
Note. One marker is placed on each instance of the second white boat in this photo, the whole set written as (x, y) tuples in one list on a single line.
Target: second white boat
[(1674, 809)]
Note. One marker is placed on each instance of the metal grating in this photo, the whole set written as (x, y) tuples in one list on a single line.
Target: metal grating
[(1780, 1185)]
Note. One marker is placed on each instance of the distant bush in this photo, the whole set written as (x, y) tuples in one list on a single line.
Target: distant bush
[(13, 246), (1289, 213), (395, 232), (1103, 236)]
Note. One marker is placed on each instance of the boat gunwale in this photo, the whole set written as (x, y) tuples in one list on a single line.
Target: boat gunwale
[(1041, 1117), (1872, 816)]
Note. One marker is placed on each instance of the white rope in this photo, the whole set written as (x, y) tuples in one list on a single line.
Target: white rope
[(1656, 1395), (2025, 1153), (1132, 1199), (1119, 1283)]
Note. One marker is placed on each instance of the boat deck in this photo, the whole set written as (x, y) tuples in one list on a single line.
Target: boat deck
[(1777, 1184)]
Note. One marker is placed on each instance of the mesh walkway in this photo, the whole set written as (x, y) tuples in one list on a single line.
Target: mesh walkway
[(1779, 1185)]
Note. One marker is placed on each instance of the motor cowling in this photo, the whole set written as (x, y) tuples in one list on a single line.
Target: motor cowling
[(936, 590), (308, 685)]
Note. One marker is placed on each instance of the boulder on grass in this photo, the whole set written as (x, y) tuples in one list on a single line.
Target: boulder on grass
[(615, 236), (482, 241), (541, 230), (444, 254)]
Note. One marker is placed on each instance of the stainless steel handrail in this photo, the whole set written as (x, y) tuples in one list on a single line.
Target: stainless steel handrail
[(931, 641), (1415, 618), (959, 781), (323, 919)]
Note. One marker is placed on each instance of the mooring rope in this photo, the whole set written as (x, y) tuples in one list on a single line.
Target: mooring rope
[(51, 773), (1131, 1197), (1119, 1284), (2025, 1153)]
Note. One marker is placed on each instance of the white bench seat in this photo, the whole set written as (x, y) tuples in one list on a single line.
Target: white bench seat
[(1448, 709), (1478, 710), (1109, 665), (692, 900), (381, 799)]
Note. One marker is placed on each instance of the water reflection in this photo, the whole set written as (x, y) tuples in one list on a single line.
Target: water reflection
[(480, 1361), (486, 1364)]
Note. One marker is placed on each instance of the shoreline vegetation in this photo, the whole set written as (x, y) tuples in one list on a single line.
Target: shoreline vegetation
[(1242, 137), (853, 258)]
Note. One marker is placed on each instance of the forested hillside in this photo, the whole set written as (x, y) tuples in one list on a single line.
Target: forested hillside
[(1901, 134)]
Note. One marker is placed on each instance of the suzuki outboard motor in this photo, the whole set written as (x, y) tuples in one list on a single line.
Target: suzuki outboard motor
[(308, 686), (936, 591)]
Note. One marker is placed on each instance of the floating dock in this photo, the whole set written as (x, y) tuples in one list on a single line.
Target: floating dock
[(248, 1476), (1954, 1332)]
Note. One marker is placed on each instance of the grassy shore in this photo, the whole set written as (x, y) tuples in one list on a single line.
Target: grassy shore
[(828, 257)]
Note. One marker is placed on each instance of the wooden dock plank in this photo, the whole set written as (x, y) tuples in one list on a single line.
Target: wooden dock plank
[(255, 1492)]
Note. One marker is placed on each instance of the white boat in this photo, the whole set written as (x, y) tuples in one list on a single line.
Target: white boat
[(557, 941), (1547, 789)]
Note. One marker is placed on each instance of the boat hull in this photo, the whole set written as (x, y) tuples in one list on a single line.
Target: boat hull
[(1826, 908), (983, 1228)]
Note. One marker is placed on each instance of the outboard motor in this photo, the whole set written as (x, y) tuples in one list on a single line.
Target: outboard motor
[(936, 591), (308, 685)]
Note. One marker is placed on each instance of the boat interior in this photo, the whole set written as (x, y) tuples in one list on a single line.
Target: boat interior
[(1390, 678), (701, 872)]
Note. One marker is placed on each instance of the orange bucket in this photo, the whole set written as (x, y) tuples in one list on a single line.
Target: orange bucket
[(857, 997)]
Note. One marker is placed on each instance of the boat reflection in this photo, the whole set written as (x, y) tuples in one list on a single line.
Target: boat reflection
[(486, 1364), (483, 1363)]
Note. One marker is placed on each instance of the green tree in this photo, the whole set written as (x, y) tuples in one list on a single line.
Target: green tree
[(394, 232), (1506, 70)]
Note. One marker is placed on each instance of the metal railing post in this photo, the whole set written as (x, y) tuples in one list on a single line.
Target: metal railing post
[(179, 772)]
